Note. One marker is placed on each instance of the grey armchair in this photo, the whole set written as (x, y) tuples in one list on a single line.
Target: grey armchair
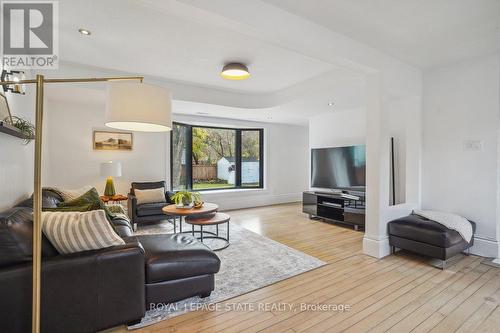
[(149, 212)]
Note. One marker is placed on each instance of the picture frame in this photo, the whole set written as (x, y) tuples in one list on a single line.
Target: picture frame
[(5, 115), (112, 140)]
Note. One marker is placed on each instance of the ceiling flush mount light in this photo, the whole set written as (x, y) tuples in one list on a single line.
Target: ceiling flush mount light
[(235, 71), (84, 32), (331, 104)]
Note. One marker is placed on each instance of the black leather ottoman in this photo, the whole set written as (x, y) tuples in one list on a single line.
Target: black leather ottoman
[(178, 266), (423, 236)]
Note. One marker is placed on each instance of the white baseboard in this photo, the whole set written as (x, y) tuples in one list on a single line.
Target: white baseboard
[(380, 248), (377, 248), (231, 201), (485, 247)]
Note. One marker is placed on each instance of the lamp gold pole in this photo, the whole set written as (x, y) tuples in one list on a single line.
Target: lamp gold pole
[(37, 209), (37, 193)]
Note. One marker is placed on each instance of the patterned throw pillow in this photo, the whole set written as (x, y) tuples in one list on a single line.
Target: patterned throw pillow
[(71, 232)]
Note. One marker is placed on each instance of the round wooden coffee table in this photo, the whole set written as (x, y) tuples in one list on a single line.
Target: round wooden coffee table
[(213, 219), (174, 211)]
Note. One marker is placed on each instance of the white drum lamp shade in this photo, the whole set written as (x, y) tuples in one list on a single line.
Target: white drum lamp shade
[(111, 169), (138, 107)]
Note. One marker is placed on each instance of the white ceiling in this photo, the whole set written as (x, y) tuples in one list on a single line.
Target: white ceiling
[(424, 33), (179, 45), (297, 103), (183, 44), (151, 38)]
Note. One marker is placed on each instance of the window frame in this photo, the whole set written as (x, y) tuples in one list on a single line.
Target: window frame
[(238, 159)]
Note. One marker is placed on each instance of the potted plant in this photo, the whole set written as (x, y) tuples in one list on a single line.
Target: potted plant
[(186, 198), (25, 127)]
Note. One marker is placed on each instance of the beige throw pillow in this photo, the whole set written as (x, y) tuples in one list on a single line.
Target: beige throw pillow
[(71, 232), (150, 196)]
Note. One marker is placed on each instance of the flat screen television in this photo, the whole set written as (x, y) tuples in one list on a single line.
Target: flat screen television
[(339, 168)]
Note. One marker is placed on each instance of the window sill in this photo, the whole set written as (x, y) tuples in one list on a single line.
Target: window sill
[(234, 191)]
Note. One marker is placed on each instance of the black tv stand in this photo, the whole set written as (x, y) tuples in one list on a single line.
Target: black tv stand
[(335, 208)]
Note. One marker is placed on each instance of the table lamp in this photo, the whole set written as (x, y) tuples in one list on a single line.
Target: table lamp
[(110, 169)]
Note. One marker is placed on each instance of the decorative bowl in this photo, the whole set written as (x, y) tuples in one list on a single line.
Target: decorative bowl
[(198, 204)]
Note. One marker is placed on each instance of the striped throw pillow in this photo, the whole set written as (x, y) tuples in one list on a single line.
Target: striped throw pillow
[(71, 232)]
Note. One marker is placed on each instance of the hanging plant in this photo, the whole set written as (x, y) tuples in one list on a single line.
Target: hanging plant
[(25, 127)]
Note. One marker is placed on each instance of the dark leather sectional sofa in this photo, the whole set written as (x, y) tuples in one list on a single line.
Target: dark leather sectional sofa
[(95, 290)]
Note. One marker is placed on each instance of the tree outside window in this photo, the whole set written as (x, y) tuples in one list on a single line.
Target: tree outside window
[(221, 158)]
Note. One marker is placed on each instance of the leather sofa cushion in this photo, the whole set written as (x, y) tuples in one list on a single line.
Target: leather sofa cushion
[(150, 209), (177, 256), (50, 199), (16, 237), (420, 229), (122, 227)]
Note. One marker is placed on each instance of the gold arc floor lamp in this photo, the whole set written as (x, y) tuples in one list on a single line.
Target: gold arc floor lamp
[(130, 106)]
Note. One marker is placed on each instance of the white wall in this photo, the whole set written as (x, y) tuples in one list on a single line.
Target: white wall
[(388, 115), (73, 163), (338, 128), (349, 127), (71, 160), (16, 159), (462, 103)]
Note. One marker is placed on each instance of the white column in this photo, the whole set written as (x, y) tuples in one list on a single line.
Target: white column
[(388, 116), (375, 241)]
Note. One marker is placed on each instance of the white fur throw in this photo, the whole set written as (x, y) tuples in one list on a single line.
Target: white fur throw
[(450, 221), (150, 196)]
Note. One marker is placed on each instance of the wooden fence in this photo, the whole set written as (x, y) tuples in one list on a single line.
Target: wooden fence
[(204, 172)]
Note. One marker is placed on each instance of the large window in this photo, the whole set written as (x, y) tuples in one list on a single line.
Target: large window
[(220, 158)]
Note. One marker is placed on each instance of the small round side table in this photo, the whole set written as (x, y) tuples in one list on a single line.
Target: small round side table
[(173, 210), (208, 220), (114, 199)]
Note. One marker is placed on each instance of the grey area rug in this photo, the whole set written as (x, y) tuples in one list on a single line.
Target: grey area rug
[(249, 263)]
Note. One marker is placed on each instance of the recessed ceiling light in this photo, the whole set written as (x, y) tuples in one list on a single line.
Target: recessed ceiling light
[(235, 71), (84, 32), (331, 104)]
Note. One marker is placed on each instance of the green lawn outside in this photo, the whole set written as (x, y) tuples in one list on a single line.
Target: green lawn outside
[(207, 186)]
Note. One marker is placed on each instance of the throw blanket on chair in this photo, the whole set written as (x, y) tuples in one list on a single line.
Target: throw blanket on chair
[(450, 221)]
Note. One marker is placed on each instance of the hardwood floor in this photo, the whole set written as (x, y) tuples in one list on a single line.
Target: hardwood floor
[(396, 294)]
